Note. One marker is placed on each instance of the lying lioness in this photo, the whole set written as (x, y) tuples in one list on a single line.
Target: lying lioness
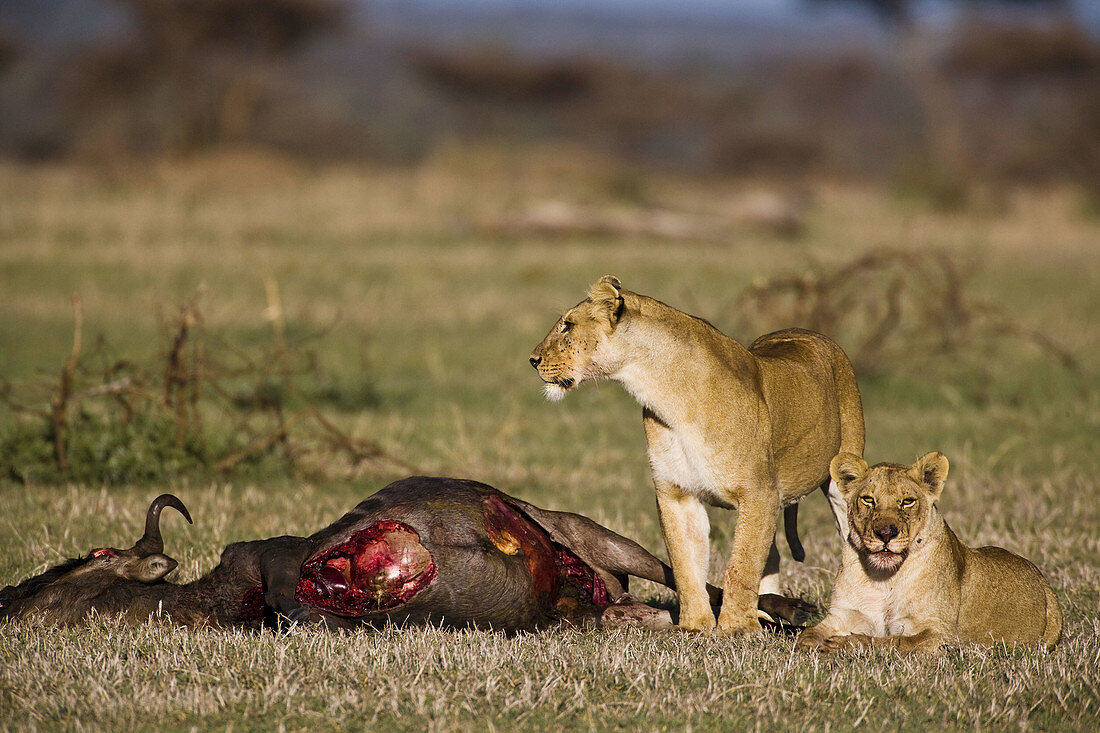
[(906, 581)]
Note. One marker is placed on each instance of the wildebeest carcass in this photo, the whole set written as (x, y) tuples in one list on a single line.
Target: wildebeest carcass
[(442, 551)]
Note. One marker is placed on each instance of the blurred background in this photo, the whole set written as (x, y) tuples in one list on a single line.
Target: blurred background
[(357, 217), (935, 94)]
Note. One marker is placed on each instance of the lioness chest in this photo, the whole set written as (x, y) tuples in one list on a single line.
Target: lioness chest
[(896, 606), (882, 611), (682, 457)]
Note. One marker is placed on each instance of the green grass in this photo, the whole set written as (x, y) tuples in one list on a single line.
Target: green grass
[(432, 320)]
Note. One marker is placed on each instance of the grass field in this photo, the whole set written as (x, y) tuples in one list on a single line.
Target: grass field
[(438, 315)]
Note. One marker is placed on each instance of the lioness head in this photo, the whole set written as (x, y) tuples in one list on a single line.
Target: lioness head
[(889, 505), (570, 353)]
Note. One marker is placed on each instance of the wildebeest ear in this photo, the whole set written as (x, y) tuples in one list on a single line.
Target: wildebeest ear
[(930, 471), (607, 293), (846, 468), (152, 568)]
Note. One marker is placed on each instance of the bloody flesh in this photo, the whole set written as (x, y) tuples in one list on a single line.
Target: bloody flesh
[(552, 565), (377, 569), (512, 533), (252, 604), (581, 577)]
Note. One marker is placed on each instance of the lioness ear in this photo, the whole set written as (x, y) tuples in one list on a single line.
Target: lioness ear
[(930, 470), (607, 293), (846, 468)]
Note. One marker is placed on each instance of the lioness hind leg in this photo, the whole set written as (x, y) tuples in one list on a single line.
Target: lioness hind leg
[(790, 529), (769, 583)]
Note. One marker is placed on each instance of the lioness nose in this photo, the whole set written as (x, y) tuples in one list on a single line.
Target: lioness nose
[(535, 361), (886, 533)]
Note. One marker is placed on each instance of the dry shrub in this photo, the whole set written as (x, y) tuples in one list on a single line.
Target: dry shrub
[(487, 72), (766, 150), (266, 27), (203, 404), (887, 306), (186, 75), (1027, 100), (1008, 52), (1018, 102), (10, 50)]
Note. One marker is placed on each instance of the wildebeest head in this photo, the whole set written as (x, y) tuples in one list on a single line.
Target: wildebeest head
[(100, 580)]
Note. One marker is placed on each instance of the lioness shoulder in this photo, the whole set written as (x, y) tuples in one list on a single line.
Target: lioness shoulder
[(907, 581)]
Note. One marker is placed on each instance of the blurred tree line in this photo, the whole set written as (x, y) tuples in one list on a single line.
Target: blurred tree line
[(177, 75), (991, 96)]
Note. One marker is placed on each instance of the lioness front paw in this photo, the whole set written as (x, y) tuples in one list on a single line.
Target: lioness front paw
[(696, 622), (809, 640), (847, 641), (861, 640), (736, 625), (834, 644)]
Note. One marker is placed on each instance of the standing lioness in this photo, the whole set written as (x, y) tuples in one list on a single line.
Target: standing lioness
[(751, 429), (907, 581)]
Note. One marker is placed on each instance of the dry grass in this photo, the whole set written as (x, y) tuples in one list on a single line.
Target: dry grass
[(437, 680), (440, 318)]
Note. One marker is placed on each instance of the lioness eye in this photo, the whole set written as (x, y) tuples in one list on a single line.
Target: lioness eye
[(906, 503), (868, 500)]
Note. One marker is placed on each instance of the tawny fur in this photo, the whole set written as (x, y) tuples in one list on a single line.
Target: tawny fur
[(751, 429), (906, 581)]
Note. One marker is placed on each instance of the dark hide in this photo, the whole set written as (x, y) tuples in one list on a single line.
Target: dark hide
[(495, 561)]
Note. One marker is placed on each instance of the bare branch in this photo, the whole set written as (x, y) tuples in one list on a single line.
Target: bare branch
[(60, 404)]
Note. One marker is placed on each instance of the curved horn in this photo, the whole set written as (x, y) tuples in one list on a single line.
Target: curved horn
[(151, 541)]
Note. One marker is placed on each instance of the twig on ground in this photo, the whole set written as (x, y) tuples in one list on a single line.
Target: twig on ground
[(60, 404)]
